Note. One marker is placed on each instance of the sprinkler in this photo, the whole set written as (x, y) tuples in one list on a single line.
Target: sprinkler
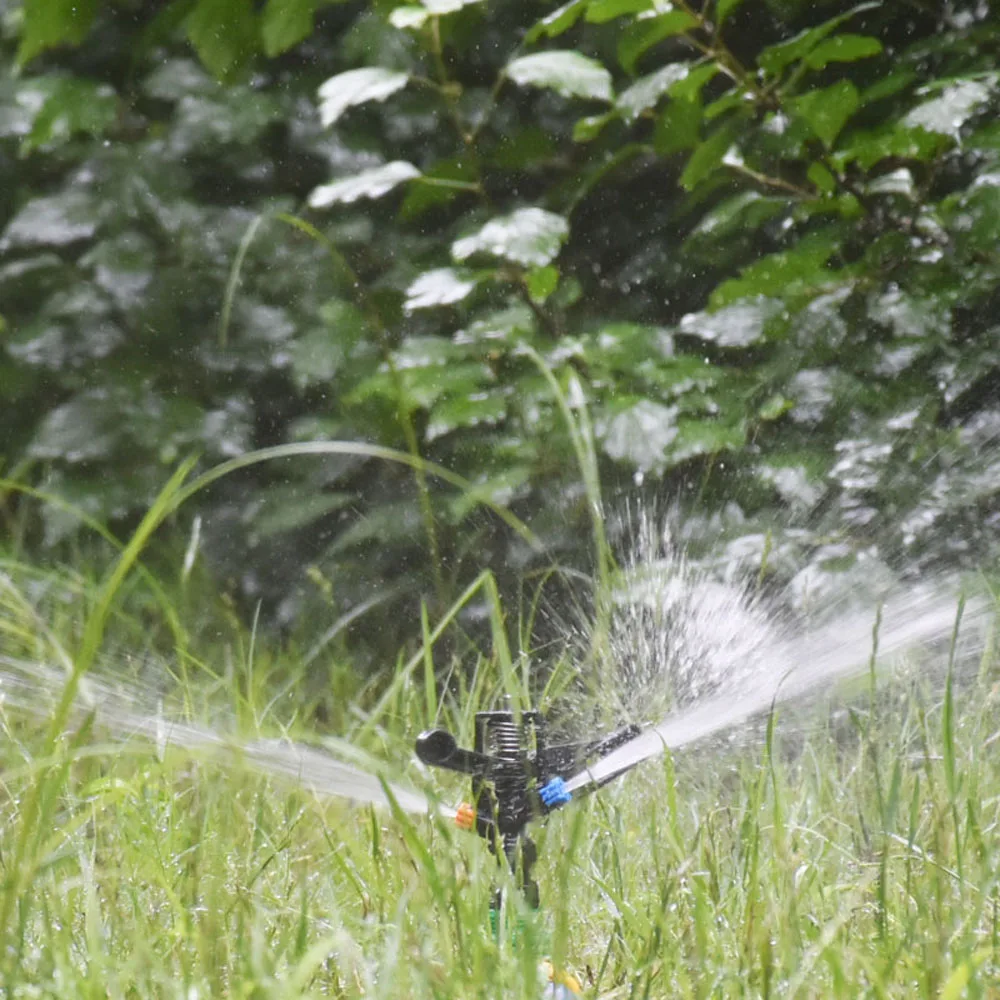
[(518, 777)]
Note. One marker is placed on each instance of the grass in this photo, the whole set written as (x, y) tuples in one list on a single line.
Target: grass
[(836, 859), (857, 861)]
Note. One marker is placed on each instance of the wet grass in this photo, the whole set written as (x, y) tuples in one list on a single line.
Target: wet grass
[(855, 856)]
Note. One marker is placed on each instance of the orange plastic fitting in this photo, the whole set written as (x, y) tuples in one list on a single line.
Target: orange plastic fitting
[(465, 817)]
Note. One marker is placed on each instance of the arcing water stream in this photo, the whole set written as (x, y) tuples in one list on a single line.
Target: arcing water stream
[(788, 669), (33, 688)]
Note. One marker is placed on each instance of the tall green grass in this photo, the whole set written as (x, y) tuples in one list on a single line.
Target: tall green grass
[(843, 860)]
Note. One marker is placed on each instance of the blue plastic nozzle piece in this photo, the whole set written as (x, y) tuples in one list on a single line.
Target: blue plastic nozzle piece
[(555, 793)]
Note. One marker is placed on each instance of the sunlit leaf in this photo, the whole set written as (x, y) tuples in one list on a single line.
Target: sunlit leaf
[(409, 16), (827, 111), (560, 20), (357, 86), (439, 8), (72, 106), (639, 434), (529, 236), (843, 48), (645, 93), (478, 409), (641, 36), (369, 184), (441, 287), (737, 325), (567, 73), (775, 58), (589, 128), (55, 220), (949, 111)]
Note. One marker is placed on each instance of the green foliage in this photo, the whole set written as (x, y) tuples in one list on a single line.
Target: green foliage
[(753, 244)]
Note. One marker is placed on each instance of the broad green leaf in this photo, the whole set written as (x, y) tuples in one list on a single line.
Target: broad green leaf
[(640, 434), (477, 409), (368, 184), (895, 142), (530, 236), (775, 58), (602, 11), (895, 182), (567, 73), (947, 113), (441, 287), (320, 354), (49, 23), (723, 9), (706, 436), (843, 48), (827, 111), (542, 282), (678, 127), (72, 106), (357, 86), (690, 87), (285, 23), (54, 221), (426, 195), (739, 325), (554, 24), (784, 273), (645, 93), (641, 36), (224, 33), (708, 156)]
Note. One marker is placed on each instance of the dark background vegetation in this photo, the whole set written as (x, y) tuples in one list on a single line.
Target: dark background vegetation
[(762, 257)]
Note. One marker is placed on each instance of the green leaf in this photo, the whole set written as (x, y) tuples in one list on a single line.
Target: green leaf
[(641, 36), (530, 236), (708, 156), (72, 106), (441, 8), (947, 113), (368, 184), (357, 86), (639, 433), (602, 11), (741, 214), (723, 9), (559, 21), (827, 111), (678, 127), (706, 437), (895, 142), (821, 178), (426, 194), (48, 23), (319, 355), (285, 23), (775, 58), (224, 34), (542, 282), (567, 73), (441, 287), (478, 409), (785, 273), (843, 48), (739, 325), (645, 92), (589, 128), (57, 220)]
